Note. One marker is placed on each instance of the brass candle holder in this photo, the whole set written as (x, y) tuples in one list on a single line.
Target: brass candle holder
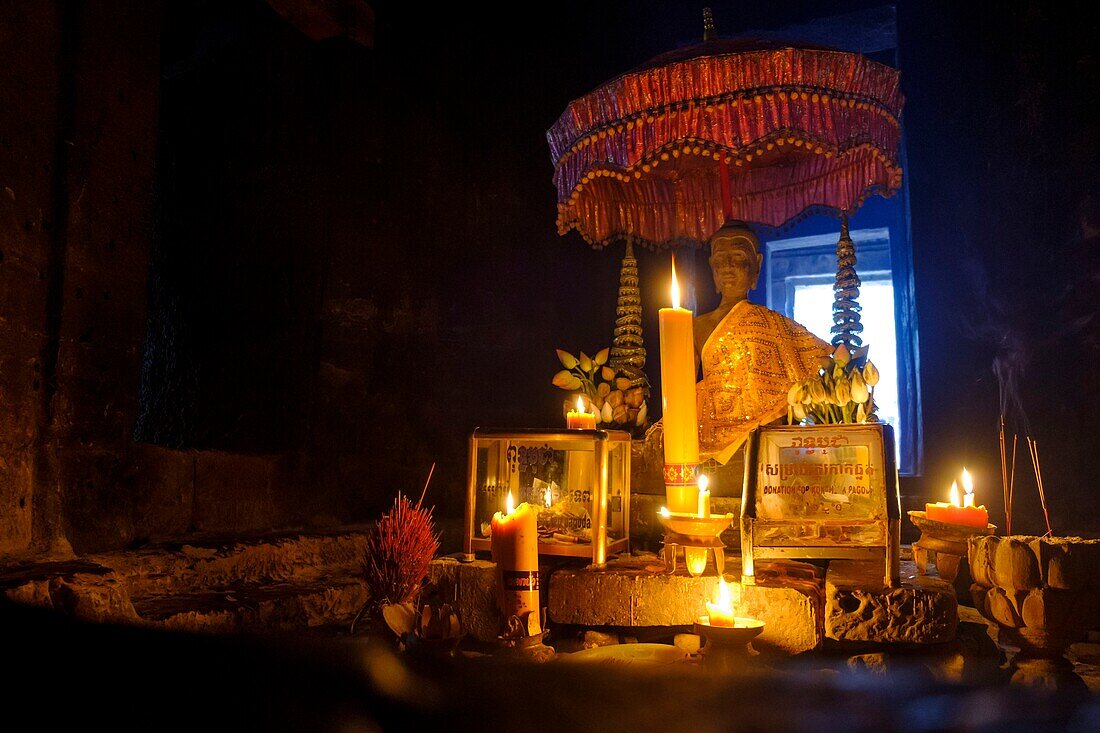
[(727, 647), (698, 538), (943, 544)]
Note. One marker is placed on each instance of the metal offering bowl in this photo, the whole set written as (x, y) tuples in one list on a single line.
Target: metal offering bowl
[(695, 527), (743, 631)]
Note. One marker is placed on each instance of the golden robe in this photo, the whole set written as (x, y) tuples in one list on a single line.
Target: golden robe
[(749, 363)]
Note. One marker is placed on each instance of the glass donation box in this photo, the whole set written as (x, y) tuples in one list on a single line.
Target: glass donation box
[(828, 491), (578, 479)]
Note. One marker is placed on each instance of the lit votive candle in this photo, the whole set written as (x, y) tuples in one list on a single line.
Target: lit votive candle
[(704, 496), (954, 512), (721, 612), (579, 419)]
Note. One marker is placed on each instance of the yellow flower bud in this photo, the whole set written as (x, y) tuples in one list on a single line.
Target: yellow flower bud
[(843, 391), (870, 374), (794, 394), (859, 388), (817, 391), (841, 355), (799, 412)]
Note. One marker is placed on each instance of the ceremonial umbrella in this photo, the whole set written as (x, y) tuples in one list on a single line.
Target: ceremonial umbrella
[(727, 130)]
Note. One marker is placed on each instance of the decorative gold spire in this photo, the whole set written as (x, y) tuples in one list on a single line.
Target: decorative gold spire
[(846, 322), (628, 349)]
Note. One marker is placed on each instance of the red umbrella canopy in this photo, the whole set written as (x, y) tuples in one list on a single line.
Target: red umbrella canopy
[(665, 154)]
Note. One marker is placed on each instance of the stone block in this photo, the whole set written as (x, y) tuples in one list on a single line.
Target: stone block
[(164, 486), (1066, 562), (234, 493), (473, 584), (1004, 607), (98, 502), (16, 497), (981, 551), (1052, 609), (859, 608), (1016, 567), (93, 597), (628, 593)]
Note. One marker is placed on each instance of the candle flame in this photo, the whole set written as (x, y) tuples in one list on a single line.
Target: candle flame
[(721, 611), (954, 494), (704, 482), (675, 285), (580, 404), (509, 504), (968, 482), (548, 498), (665, 512)]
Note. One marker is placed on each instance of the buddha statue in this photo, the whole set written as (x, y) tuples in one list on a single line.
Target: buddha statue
[(750, 354)]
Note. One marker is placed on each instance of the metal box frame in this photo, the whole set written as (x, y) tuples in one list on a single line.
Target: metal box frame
[(602, 444), (883, 495)]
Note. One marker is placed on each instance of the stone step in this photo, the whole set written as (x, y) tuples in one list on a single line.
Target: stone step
[(213, 563), (860, 609), (268, 607), (275, 582)]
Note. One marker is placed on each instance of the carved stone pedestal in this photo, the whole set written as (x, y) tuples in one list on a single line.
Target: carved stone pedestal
[(942, 544), (860, 608)]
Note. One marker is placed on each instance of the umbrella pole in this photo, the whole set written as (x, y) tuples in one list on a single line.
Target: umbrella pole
[(724, 180)]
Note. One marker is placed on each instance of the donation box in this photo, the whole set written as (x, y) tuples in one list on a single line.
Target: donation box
[(578, 479), (828, 491)]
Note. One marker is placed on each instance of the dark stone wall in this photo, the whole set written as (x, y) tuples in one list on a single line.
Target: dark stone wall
[(349, 255), (109, 179), (79, 177), (30, 43)]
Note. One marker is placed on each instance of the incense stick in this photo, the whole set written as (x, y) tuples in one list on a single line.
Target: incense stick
[(1004, 473), (1033, 449), (428, 481), (1011, 486), (1042, 494)]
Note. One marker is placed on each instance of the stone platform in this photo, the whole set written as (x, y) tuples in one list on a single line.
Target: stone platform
[(801, 605), (633, 592), (858, 608), (284, 582)]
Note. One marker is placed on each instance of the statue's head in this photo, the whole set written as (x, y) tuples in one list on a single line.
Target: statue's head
[(735, 259)]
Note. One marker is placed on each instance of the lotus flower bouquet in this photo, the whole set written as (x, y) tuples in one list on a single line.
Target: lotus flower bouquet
[(616, 400), (842, 392)]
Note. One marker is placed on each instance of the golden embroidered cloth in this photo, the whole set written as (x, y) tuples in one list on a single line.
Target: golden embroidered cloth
[(749, 364)]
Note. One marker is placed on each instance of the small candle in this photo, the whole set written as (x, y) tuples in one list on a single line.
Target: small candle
[(721, 612), (704, 496), (514, 544), (579, 419), (681, 422), (954, 512)]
